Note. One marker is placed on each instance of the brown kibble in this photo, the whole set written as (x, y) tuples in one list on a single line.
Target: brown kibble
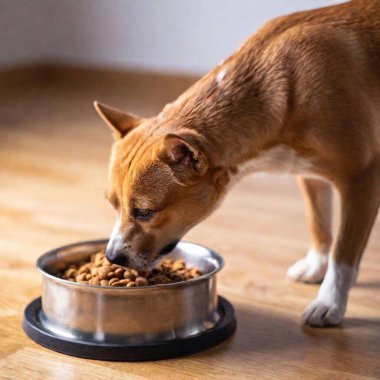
[(177, 277), (166, 269), (111, 274), (179, 264), (97, 270), (129, 274), (94, 281), (141, 281), (119, 272), (103, 273), (160, 279), (195, 272), (98, 259), (71, 272), (81, 277), (113, 280), (106, 263), (84, 269), (135, 272), (116, 283)]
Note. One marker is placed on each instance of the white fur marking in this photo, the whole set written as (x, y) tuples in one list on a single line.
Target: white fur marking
[(280, 159), (220, 76), (330, 305), (115, 242), (311, 268)]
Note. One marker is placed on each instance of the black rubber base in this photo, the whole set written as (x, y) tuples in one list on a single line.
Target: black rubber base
[(35, 329)]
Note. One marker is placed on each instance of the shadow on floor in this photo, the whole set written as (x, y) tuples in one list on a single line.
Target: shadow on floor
[(368, 285), (273, 340)]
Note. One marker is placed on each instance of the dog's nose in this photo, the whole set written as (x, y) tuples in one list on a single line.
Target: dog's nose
[(118, 258)]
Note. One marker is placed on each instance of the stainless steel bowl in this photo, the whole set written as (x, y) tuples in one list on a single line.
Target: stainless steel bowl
[(129, 315)]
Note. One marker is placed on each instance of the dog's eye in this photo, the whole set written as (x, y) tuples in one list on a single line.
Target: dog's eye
[(142, 214)]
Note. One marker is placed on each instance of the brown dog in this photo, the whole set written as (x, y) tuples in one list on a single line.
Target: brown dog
[(301, 96)]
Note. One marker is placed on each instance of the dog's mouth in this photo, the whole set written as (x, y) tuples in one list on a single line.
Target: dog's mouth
[(143, 263), (168, 248)]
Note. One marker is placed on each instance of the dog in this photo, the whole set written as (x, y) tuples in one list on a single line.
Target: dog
[(300, 96)]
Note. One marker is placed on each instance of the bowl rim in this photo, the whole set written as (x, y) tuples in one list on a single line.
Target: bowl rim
[(55, 251)]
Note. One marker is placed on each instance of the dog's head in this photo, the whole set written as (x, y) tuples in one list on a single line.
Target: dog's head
[(160, 184)]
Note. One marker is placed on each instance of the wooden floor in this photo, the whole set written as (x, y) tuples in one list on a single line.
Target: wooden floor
[(53, 161)]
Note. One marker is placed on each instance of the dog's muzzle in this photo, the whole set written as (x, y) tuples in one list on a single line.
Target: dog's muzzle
[(116, 251), (116, 257)]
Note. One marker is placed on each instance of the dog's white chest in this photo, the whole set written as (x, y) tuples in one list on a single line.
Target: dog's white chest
[(280, 159)]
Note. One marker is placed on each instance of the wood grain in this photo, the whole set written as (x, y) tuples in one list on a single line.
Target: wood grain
[(53, 159)]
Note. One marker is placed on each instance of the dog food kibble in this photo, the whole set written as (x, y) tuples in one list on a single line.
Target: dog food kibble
[(99, 271)]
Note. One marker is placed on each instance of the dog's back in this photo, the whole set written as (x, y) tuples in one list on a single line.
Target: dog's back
[(360, 19), (331, 59), (329, 56)]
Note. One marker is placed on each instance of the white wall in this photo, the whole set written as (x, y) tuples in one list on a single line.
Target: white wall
[(161, 35)]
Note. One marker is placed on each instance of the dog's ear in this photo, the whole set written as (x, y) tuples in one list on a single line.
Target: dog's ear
[(185, 155), (120, 122)]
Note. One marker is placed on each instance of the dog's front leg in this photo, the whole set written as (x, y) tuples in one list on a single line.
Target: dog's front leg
[(318, 200), (360, 198)]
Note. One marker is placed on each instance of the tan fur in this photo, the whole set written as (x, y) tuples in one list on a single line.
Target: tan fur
[(309, 81), (318, 201)]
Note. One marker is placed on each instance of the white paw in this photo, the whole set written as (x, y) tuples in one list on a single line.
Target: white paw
[(330, 305), (323, 313), (312, 268)]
